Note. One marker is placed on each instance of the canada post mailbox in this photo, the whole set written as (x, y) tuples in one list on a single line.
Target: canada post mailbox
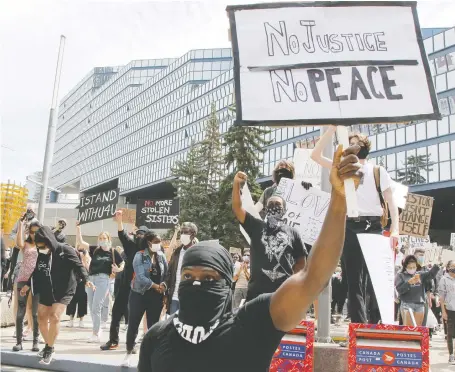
[(388, 348), (296, 350)]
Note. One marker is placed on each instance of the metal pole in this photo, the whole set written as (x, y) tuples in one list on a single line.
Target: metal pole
[(323, 332), (51, 132)]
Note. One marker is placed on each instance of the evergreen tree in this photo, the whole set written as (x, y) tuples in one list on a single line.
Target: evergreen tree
[(412, 175)]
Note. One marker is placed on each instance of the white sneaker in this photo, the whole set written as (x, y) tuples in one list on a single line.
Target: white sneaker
[(127, 361), (451, 359), (81, 324), (70, 324), (94, 339)]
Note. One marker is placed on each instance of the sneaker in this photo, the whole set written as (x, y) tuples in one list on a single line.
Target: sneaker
[(41, 353), (18, 347), (81, 324), (94, 339), (127, 361), (70, 324), (35, 346), (109, 346), (48, 356), (451, 359)]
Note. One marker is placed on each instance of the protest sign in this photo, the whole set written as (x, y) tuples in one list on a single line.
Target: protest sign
[(157, 213), (452, 240), (128, 215), (330, 62), (99, 206), (400, 193), (306, 169), (305, 209), (416, 242), (447, 255), (248, 205), (415, 218), (380, 263), (433, 255)]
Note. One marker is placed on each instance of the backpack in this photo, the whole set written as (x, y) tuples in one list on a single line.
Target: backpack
[(385, 207)]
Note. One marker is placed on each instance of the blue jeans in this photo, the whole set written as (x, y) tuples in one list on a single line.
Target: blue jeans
[(175, 306), (105, 310), (97, 298)]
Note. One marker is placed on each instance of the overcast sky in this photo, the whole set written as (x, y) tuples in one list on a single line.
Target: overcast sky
[(101, 33)]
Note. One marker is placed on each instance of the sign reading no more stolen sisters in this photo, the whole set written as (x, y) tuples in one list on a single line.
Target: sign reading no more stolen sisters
[(99, 206), (158, 214), (330, 62)]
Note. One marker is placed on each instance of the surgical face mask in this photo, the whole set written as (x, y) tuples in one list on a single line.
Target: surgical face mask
[(411, 271), (420, 260), (282, 173), (363, 153), (104, 244), (185, 239), (246, 259), (155, 247)]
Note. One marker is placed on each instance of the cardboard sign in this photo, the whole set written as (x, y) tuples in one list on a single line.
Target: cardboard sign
[(306, 169), (340, 63), (158, 213), (415, 218), (381, 266), (296, 350), (99, 206), (388, 348), (305, 209), (433, 255), (452, 240), (128, 215)]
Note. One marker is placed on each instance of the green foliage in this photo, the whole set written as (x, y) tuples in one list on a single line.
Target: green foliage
[(414, 165)]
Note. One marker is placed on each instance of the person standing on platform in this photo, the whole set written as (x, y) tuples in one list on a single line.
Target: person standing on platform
[(131, 246), (210, 337), (373, 195)]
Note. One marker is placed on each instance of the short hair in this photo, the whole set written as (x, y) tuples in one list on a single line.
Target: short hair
[(284, 164), (191, 226), (363, 139)]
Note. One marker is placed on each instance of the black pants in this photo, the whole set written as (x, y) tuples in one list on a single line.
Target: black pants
[(119, 309), (150, 302), (21, 310), (337, 306), (80, 301), (361, 298), (436, 310), (450, 330)]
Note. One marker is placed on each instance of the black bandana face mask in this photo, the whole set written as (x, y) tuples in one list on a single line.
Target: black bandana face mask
[(363, 153), (282, 173), (275, 216), (202, 304)]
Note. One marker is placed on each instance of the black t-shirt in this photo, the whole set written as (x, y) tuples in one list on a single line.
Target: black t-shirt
[(102, 260), (273, 255), (245, 341), (42, 282)]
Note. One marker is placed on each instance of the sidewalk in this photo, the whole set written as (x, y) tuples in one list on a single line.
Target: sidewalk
[(72, 351)]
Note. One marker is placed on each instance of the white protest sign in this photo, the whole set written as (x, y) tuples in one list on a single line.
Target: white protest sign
[(452, 240), (447, 255), (248, 205), (305, 209), (432, 255), (306, 169), (400, 193), (415, 242), (379, 260), (305, 63)]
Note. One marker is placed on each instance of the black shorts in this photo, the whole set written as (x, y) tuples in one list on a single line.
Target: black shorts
[(49, 300)]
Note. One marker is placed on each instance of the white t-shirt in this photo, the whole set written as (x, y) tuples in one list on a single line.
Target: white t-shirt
[(242, 281), (175, 295), (367, 195)]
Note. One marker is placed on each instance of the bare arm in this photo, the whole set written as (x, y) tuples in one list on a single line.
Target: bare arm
[(81, 241), (291, 301), (316, 154), (388, 197), (239, 180), (20, 235)]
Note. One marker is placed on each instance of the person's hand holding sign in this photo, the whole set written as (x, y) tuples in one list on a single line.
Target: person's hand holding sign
[(346, 168)]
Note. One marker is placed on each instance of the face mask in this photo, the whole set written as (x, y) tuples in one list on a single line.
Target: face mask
[(363, 153), (275, 216), (420, 260), (29, 216), (104, 244), (246, 259), (411, 271), (195, 322), (282, 173), (155, 247), (185, 239)]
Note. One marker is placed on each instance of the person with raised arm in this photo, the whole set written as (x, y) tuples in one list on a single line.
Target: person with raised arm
[(205, 334)]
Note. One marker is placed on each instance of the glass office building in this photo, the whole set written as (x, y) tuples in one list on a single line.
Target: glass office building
[(126, 126)]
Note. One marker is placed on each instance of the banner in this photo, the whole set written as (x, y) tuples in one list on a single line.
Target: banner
[(248, 205), (157, 213), (306, 169), (99, 206), (433, 255), (311, 63), (305, 209), (381, 266), (415, 218)]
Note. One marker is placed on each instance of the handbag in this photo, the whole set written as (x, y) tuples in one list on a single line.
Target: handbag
[(385, 207)]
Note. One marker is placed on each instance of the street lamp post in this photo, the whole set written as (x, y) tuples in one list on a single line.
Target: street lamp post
[(51, 132)]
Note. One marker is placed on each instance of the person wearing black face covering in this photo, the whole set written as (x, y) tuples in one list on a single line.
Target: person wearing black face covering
[(120, 307), (374, 192), (277, 250), (204, 335)]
